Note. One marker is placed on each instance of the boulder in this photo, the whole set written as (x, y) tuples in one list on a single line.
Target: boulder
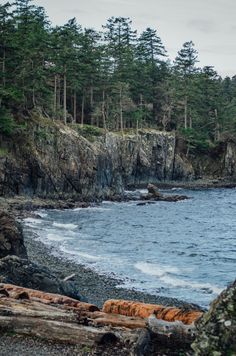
[(216, 330), (153, 190), (154, 194), (11, 237), (24, 273)]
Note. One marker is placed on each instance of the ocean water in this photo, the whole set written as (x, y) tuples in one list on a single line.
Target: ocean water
[(185, 250)]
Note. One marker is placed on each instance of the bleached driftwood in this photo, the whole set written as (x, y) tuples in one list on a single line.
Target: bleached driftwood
[(62, 319)]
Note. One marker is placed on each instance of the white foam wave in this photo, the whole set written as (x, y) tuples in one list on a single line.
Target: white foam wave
[(155, 269), (56, 237), (87, 256), (65, 226), (176, 282), (32, 221), (42, 214), (164, 272)]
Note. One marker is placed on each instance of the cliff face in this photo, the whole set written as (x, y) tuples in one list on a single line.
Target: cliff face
[(54, 160)]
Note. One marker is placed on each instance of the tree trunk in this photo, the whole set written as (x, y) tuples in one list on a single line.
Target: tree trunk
[(217, 128), (121, 113), (185, 112), (55, 96), (82, 111), (103, 111), (74, 106), (64, 97)]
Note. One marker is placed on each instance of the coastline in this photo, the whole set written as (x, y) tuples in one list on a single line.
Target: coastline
[(95, 287)]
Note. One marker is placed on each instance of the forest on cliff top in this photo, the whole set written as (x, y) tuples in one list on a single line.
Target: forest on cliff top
[(115, 79)]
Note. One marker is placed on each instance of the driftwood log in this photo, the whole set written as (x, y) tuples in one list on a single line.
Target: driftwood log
[(62, 319), (136, 309)]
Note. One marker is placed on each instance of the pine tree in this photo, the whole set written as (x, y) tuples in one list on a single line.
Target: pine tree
[(185, 65)]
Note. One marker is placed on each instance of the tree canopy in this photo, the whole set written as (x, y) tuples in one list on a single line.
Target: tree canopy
[(116, 78)]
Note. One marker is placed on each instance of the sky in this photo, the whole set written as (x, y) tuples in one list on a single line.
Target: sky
[(210, 24)]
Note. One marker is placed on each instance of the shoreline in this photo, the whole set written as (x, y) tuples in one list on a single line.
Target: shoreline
[(95, 287)]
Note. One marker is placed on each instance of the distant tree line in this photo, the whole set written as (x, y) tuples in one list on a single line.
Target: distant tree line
[(115, 79)]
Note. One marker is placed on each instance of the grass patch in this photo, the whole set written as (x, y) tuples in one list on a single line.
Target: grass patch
[(88, 131), (3, 152)]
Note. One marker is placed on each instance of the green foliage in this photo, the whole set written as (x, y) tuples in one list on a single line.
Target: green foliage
[(3, 152), (115, 79), (197, 141), (7, 123), (88, 131)]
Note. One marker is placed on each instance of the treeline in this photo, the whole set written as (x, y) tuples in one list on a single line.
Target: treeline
[(115, 79)]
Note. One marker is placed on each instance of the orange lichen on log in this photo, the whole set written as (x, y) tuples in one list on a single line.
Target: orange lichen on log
[(16, 292), (136, 309)]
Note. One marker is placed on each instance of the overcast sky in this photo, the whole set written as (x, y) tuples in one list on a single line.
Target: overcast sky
[(210, 24)]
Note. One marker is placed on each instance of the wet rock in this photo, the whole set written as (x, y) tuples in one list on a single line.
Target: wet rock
[(154, 194), (153, 190), (216, 330), (11, 237), (62, 164), (21, 272)]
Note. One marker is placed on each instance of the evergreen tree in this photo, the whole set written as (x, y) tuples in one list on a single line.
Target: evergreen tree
[(185, 64)]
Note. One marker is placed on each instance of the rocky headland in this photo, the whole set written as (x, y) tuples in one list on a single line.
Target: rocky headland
[(51, 160), (53, 166)]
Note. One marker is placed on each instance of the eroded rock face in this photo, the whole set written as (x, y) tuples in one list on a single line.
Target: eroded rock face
[(21, 272), (55, 161), (11, 237), (217, 328)]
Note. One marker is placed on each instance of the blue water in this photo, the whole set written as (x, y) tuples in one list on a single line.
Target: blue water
[(185, 250)]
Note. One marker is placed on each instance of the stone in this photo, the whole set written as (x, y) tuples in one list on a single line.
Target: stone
[(216, 330), (11, 237), (22, 272)]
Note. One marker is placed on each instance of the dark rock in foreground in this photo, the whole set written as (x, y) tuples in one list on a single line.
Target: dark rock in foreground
[(217, 328), (11, 237), (22, 272)]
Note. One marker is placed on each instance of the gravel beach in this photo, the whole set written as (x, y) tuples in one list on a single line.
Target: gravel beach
[(96, 288)]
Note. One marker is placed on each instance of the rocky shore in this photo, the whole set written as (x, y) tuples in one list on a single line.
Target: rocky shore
[(36, 266)]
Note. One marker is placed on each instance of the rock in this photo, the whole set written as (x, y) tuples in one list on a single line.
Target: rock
[(216, 330), (154, 194), (11, 237), (153, 190), (62, 164), (21, 272)]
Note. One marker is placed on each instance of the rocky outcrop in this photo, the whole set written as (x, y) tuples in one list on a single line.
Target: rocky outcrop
[(22, 272), (11, 237), (52, 160), (216, 330), (155, 195)]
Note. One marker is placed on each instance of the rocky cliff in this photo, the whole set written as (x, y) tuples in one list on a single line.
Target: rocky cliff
[(52, 160)]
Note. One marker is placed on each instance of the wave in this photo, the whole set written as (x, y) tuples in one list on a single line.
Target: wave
[(42, 214), (155, 269), (87, 256), (32, 221), (65, 226), (56, 237), (164, 272), (176, 282)]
